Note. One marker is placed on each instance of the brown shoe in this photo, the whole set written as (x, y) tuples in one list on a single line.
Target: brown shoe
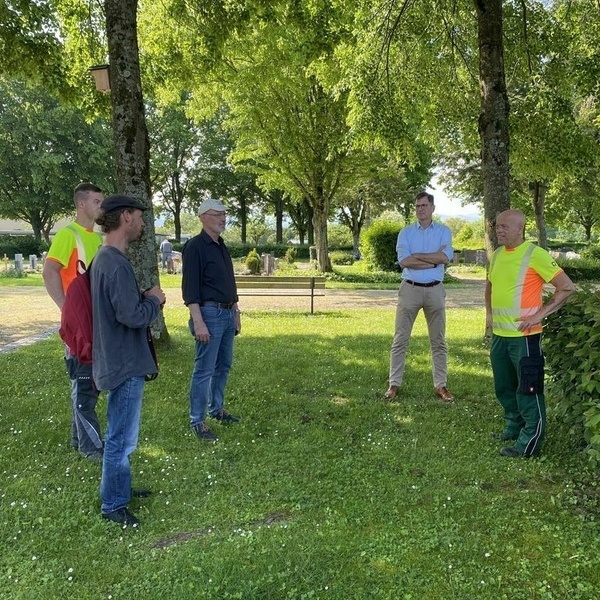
[(392, 392), (443, 394)]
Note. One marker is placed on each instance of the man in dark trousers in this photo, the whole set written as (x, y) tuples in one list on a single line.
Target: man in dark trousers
[(515, 311), (72, 249), (122, 356), (210, 293)]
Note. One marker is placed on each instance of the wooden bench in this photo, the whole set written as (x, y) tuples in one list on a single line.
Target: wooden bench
[(258, 285)]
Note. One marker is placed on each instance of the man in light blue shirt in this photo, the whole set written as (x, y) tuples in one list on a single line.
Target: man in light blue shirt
[(423, 249)]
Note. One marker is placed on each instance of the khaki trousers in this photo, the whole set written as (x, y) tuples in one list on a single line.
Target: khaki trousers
[(411, 299)]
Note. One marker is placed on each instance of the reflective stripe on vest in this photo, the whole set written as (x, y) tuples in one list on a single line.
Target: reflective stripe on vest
[(505, 318)]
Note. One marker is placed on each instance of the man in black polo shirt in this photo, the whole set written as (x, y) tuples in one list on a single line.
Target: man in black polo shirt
[(210, 293)]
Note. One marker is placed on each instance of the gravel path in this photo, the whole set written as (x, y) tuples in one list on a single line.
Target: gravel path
[(27, 314)]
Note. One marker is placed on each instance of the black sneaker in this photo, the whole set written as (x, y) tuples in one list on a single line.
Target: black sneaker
[(511, 452), (204, 433), (225, 417), (123, 517)]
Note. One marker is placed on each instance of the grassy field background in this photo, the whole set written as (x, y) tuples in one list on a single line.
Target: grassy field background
[(324, 490)]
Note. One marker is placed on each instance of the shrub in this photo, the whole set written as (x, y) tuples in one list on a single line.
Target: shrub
[(290, 255), (339, 257), (572, 347), (580, 270), (360, 277), (21, 244), (12, 273), (591, 253), (253, 262), (470, 237), (378, 245)]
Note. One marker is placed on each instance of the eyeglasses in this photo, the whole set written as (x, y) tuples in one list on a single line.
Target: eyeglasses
[(422, 205), (215, 214)]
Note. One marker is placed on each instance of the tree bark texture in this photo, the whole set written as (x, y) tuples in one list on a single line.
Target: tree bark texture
[(493, 119), (243, 219), (131, 145), (310, 229), (319, 220), (538, 201)]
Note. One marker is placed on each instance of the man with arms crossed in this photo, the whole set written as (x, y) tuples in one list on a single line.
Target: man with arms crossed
[(515, 311), (210, 293), (423, 249), (75, 243), (121, 353)]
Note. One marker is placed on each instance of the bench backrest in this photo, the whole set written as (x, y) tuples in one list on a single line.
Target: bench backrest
[(288, 282)]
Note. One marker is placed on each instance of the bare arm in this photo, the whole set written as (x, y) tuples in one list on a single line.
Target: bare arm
[(488, 306), (564, 287), (53, 282), (238, 318), (200, 329)]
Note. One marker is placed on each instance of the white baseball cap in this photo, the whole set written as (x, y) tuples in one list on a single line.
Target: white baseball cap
[(211, 204)]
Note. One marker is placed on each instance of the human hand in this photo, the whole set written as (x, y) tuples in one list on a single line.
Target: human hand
[(201, 332), (157, 293), (526, 323)]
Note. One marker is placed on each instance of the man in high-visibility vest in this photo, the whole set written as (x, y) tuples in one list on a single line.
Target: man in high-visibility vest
[(515, 311), (74, 244)]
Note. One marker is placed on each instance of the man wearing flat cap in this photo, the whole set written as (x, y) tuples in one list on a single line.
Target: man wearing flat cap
[(122, 357), (210, 293)]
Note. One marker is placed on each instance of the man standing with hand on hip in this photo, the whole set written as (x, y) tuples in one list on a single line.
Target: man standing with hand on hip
[(210, 293), (122, 356), (423, 248), (514, 311)]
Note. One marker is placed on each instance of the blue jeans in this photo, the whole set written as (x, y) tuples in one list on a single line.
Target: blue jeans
[(212, 363), (124, 406)]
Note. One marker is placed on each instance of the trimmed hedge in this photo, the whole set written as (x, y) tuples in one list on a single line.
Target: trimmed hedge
[(378, 246), (21, 244), (580, 270), (572, 349), (339, 257), (377, 277)]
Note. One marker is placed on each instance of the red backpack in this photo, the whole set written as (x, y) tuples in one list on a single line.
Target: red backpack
[(76, 329)]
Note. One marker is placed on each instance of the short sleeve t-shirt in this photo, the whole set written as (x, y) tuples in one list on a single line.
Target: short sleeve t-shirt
[(64, 250), (517, 277)]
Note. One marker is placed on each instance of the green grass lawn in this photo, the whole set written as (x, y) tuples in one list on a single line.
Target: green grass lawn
[(323, 490), (26, 279)]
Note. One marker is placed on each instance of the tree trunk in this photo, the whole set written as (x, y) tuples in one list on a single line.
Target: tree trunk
[(36, 227), (132, 151), (310, 229), (319, 219), (177, 202), (243, 220), (538, 200), (356, 243), (279, 218), (46, 232), (493, 119)]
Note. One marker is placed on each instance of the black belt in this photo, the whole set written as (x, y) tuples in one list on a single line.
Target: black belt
[(218, 304), (430, 284)]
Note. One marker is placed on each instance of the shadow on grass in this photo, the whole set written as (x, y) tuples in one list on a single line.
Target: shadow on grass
[(322, 485)]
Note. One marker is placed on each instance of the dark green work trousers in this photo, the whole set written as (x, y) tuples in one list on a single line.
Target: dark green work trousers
[(518, 367)]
